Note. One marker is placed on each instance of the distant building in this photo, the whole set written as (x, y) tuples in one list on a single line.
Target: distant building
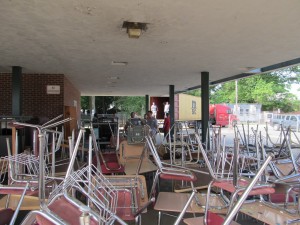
[(246, 112)]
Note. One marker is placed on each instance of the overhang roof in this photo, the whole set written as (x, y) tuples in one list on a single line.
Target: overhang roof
[(82, 38)]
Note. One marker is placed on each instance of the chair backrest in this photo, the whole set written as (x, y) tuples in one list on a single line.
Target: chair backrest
[(207, 162), (136, 134), (295, 156), (135, 121), (151, 146), (245, 194), (101, 196), (224, 166)]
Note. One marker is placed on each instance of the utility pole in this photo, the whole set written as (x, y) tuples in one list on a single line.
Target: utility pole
[(236, 97)]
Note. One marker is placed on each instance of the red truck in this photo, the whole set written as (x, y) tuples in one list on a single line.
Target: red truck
[(221, 114)]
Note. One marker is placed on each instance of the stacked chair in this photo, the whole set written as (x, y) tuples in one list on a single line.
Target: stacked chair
[(228, 180), (169, 173), (28, 174), (86, 196)]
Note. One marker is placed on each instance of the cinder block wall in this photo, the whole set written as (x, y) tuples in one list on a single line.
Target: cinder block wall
[(35, 100)]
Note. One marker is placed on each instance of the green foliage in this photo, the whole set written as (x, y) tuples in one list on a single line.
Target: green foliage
[(125, 104), (130, 104), (103, 103), (85, 104), (269, 89), (195, 92)]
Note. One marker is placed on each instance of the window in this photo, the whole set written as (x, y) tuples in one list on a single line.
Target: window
[(229, 111), (194, 107)]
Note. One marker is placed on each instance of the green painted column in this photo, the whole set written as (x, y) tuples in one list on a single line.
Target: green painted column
[(16, 91), (205, 105), (146, 103)]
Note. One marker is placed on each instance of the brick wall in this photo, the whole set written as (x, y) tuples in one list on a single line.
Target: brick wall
[(71, 96), (35, 100), (5, 94)]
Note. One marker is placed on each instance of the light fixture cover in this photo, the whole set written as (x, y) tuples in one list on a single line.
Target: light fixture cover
[(134, 32), (134, 29)]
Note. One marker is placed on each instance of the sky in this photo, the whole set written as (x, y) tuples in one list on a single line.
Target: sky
[(294, 90)]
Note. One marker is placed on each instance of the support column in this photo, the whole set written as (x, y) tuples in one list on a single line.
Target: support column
[(16, 91), (172, 106), (205, 105), (92, 106), (146, 103)]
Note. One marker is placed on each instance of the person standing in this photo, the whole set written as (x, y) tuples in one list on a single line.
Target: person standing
[(130, 121), (152, 123), (154, 109), (166, 126), (166, 108)]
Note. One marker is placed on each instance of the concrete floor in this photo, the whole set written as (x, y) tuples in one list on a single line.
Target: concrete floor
[(151, 216)]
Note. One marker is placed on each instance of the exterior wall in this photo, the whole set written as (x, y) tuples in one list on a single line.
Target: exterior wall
[(35, 100), (189, 107), (72, 96), (5, 94), (186, 107), (247, 112)]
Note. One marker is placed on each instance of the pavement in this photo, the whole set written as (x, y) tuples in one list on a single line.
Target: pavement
[(246, 132)]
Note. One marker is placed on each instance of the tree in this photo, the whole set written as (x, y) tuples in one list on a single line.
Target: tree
[(126, 104), (195, 92), (131, 104), (85, 102), (269, 89), (103, 103)]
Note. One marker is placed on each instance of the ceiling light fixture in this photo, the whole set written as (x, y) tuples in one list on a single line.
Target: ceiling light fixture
[(113, 78), (116, 63), (134, 29)]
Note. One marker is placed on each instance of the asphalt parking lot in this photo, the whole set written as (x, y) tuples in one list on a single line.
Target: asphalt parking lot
[(247, 132)]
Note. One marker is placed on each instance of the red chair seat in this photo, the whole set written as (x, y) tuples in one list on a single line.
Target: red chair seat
[(279, 198), (112, 164), (124, 205), (228, 186), (67, 211), (42, 220), (6, 190), (6, 216), (182, 177), (214, 219), (112, 167)]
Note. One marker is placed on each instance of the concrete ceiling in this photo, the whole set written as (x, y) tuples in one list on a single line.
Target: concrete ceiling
[(81, 38)]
